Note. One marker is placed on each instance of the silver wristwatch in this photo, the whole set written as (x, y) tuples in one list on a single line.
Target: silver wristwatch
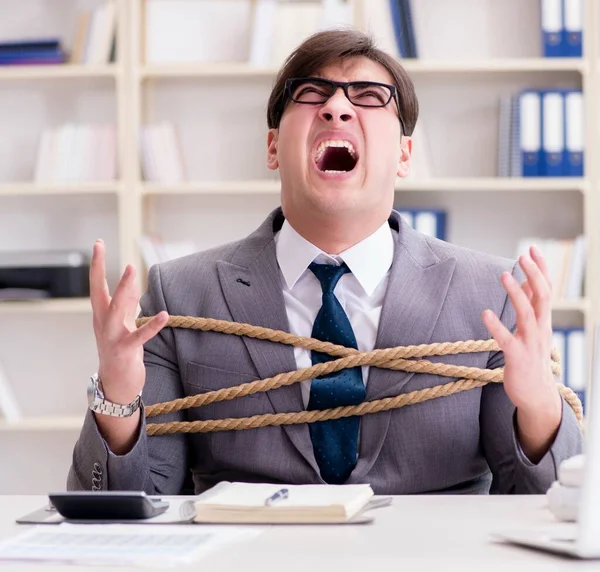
[(99, 404)]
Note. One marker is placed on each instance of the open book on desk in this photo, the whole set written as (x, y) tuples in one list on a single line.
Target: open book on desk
[(257, 503)]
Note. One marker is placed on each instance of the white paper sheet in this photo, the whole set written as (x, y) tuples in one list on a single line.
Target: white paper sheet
[(121, 544)]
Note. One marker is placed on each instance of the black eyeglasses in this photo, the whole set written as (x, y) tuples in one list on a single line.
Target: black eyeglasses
[(316, 91)]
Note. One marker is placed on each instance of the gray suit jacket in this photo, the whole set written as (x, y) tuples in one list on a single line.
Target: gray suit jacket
[(464, 443)]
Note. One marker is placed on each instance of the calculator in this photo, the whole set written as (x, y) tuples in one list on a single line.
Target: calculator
[(107, 505)]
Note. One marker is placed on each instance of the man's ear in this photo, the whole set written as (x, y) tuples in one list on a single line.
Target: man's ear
[(272, 139), (405, 157)]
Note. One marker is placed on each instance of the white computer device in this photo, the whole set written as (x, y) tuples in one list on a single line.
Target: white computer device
[(584, 539)]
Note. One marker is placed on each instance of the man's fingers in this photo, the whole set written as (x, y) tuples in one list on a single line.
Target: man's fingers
[(497, 329), (149, 329), (124, 299), (525, 314), (527, 289), (133, 308), (99, 294), (541, 301), (538, 258)]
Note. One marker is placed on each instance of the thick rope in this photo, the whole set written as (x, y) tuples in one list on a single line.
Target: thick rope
[(392, 358)]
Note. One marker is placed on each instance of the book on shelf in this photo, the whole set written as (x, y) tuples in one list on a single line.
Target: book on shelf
[(155, 249), (274, 504), (562, 28), (541, 133), (32, 51), (566, 260), (571, 344), (391, 23), (421, 165), (402, 21), (431, 222), (95, 35), (160, 152), (77, 152)]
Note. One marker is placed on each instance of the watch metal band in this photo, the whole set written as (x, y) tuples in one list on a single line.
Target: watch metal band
[(114, 409)]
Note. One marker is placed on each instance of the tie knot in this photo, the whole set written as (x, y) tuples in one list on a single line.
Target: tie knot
[(328, 275)]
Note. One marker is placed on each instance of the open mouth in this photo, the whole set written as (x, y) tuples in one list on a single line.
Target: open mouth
[(336, 157)]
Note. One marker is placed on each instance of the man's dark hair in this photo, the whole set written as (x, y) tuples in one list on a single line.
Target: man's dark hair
[(324, 48)]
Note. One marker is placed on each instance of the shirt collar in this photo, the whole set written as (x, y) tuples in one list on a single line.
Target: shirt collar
[(369, 260)]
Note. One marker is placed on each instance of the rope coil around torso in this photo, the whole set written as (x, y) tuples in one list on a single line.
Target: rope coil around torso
[(398, 358)]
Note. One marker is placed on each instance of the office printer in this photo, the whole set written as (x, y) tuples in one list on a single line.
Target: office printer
[(43, 274)]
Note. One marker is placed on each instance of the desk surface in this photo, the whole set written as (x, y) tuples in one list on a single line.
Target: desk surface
[(428, 533)]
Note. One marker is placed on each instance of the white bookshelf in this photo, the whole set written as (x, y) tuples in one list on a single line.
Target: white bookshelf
[(199, 97)]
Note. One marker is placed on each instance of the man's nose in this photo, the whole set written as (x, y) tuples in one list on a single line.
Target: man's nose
[(337, 108)]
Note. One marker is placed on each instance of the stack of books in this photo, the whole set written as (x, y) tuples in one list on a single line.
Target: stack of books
[(566, 260), (35, 51), (77, 152), (160, 151)]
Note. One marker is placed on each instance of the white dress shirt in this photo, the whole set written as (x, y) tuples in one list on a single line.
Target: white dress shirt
[(360, 292)]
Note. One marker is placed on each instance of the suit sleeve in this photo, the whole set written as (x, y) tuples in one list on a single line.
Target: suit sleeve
[(513, 472), (157, 464)]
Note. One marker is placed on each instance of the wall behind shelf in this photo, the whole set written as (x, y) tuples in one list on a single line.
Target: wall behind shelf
[(39, 473), (29, 107), (221, 123), (477, 29), (48, 360), (495, 221), (210, 220)]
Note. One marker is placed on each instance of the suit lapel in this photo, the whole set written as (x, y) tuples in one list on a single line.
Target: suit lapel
[(417, 287), (261, 303)]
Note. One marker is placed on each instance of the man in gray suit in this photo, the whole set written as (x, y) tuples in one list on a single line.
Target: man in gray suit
[(334, 262)]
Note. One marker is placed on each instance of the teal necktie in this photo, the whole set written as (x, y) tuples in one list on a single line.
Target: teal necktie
[(334, 441)]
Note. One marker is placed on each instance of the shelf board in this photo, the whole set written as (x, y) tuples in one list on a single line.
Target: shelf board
[(206, 69), (42, 424), (68, 188), (493, 65), (578, 305), (54, 306), (494, 184), (474, 184), (57, 71), (416, 66), (213, 188)]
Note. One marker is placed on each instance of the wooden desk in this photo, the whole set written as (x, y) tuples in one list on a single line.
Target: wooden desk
[(428, 533)]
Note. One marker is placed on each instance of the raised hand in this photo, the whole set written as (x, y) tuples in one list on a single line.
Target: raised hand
[(528, 377), (118, 340)]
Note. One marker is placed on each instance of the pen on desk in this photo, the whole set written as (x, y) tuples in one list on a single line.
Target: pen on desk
[(279, 495)]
